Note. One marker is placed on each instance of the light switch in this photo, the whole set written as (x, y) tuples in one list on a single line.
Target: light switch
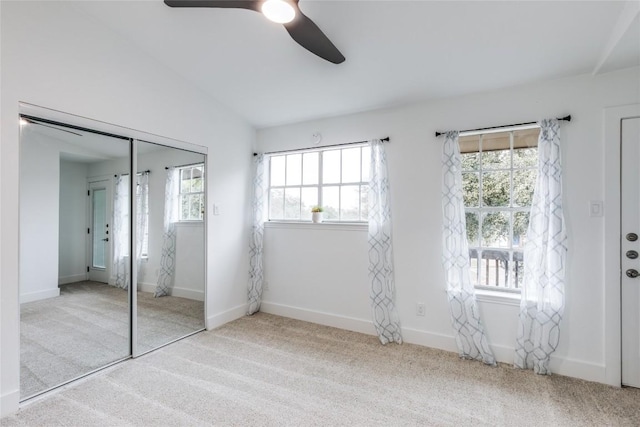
[(216, 209), (596, 208)]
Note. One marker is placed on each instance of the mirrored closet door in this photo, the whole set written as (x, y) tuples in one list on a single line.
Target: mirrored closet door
[(171, 244), (74, 319), (85, 243)]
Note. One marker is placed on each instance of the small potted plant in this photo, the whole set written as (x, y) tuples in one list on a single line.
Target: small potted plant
[(316, 214)]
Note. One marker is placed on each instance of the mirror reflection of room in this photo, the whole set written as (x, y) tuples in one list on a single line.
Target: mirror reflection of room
[(171, 273), (76, 254), (73, 320)]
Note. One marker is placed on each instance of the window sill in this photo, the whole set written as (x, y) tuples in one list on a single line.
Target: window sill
[(497, 297), (304, 225)]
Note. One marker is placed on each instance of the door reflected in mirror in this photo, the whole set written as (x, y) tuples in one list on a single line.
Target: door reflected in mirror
[(170, 244), (73, 319)]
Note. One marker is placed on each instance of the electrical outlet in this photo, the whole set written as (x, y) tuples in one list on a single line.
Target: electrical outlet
[(420, 309), (266, 286)]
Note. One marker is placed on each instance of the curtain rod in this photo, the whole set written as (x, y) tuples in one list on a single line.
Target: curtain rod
[(566, 118), (39, 120), (184, 166), (148, 171), (385, 139)]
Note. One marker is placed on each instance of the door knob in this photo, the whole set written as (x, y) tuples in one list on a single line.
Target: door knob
[(105, 240), (632, 254), (632, 273), (632, 237)]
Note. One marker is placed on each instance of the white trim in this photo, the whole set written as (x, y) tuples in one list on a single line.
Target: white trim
[(72, 279), (220, 319), (175, 291), (612, 327), (342, 226), (39, 295), (561, 366), (319, 317), (498, 297), (9, 403)]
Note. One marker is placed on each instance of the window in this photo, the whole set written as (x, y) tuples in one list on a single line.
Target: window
[(191, 192), (498, 177), (336, 179)]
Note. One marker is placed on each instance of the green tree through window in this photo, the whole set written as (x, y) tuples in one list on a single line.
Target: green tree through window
[(499, 173)]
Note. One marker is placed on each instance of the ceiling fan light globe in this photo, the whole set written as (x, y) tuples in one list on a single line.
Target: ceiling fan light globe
[(279, 11)]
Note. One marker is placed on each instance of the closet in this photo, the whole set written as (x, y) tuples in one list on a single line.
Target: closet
[(105, 210)]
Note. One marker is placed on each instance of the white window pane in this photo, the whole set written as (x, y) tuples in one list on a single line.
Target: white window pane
[(470, 189), (473, 266), (366, 163), (331, 167), (310, 168), (309, 200), (351, 165), (520, 225), (276, 203), (495, 188), (349, 202), (185, 180), (294, 169), (494, 268), (495, 229), (331, 202), (364, 203), (277, 170), (292, 203), (471, 219), (518, 270), (524, 182)]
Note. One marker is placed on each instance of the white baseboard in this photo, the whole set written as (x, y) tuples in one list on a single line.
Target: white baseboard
[(36, 296), (9, 403), (226, 316), (175, 291), (319, 317), (72, 279), (504, 354)]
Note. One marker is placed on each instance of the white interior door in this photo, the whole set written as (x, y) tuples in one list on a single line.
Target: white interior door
[(630, 246), (99, 231)]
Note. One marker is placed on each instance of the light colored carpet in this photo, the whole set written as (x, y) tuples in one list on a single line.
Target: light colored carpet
[(266, 370), (87, 327)]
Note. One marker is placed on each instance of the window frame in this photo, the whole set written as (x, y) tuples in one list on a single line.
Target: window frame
[(202, 192), (320, 185), (480, 211)]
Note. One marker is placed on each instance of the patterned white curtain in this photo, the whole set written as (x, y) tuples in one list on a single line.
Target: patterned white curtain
[(382, 292), (142, 217), (256, 273), (542, 302), (171, 211), (120, 233), (470, 337)]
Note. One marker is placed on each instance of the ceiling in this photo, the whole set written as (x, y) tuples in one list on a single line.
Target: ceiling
[(398, 52)]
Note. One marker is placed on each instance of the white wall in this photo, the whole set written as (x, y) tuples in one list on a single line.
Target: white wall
[(307, 269), (39, 216), (57, 57), (72, 261)]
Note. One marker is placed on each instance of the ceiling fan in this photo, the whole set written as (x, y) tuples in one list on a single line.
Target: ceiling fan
[(286, 12)]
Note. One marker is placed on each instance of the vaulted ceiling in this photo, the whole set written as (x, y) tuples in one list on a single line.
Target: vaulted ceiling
[(397, 52)]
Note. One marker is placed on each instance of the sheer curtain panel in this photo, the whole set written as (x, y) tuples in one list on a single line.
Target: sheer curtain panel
[(121, 231), (256, 273), (542, 303), (469, 333), (168, 256), (142, 217), (382, 290)]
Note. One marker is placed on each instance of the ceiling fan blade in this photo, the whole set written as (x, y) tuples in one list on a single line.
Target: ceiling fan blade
[(230, 4), (302, 29), (308, 35)]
